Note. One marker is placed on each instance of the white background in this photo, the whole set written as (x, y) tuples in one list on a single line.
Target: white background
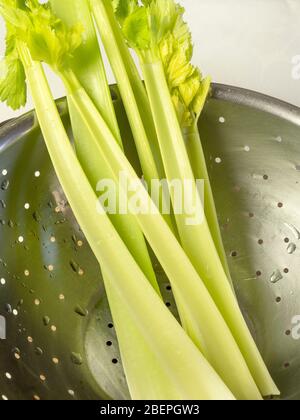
[(254, 44)]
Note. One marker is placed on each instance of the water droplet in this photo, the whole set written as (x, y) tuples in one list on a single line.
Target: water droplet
[(61, 221), (8, 308), (291, 248), (76, 268), (20, 303), (294, 230), (278, 139), (2, 204), (80, 311), (276, 277), (38, 351), (46, 321), (76, 358), (36, 216), (5, 185), (11, 224)]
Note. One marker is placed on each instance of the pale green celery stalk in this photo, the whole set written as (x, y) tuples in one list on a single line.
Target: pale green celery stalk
[(87, 61), (195, 152), (196, 156), (182, 373), (88, 67), (131, 89), (205, 324), (197, 240), (131, 341)]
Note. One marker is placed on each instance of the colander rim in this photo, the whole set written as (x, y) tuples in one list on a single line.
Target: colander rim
[(228, 93)]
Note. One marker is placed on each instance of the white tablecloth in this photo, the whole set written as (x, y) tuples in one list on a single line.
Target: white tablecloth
[(254, 44)]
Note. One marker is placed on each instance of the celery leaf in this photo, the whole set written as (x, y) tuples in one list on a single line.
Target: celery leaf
[(46, 36), (156, 30), (124, 8), (13, 85), (13, 88)]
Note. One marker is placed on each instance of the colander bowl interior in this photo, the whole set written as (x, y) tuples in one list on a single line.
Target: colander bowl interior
[(60, 340)]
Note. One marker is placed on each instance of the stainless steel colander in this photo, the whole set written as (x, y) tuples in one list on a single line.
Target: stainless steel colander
[(60, 340)]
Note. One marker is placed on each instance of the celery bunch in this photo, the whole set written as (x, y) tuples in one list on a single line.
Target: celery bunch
[(212, 355)]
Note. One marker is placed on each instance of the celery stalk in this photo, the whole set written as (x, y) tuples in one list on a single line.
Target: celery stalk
[(133, 94), (88, 67), (204, 322), (196, 156), (131, 89), (197, 240), (185, 373), (131, 342), (87, 61), (157, 32)]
